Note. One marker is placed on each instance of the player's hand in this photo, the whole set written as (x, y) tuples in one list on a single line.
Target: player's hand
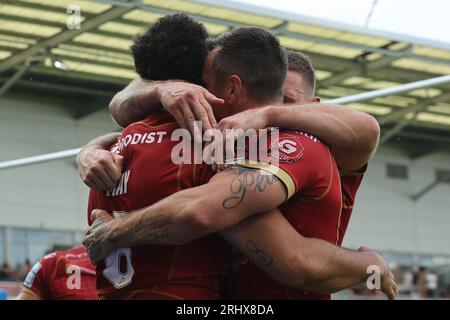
[(99, 169), (97, 238), (188, 102), (388, 284), (249, 119), (236, 125)]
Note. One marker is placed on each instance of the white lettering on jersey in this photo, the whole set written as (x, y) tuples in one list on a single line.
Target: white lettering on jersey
[(138, 138), (309, 136), (121, 187)]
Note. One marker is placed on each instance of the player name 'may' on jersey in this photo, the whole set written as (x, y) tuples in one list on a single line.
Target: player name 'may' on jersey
[(150, 175), (310, 175), (63, 275)]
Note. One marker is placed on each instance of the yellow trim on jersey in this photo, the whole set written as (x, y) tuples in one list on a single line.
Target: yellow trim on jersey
[(276, 171)]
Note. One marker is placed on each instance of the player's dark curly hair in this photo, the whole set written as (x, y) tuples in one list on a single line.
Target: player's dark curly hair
[(174, 47)]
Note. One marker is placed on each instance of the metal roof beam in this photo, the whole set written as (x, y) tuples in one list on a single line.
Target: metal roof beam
[(63, 88), (64, 36), (39, 6), (390, 133), (363, 68), (425, 136), (281, 30), (21, 35), (40, 22), (16, 77), (397, 115), (77, 75), (426, 150)]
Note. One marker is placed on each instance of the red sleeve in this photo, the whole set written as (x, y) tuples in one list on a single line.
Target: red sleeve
[(39, 277), (96, 201), (350, 183), (305, 165), (96, 198)]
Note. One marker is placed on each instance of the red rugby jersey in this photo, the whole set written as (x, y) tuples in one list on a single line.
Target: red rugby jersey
[(150, 175), (350, 182), (63, 275), (309, 172)]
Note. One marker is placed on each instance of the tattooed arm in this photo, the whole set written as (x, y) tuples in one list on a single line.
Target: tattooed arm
[(228, 198), (268, 239), (304, 263), (135, 102)]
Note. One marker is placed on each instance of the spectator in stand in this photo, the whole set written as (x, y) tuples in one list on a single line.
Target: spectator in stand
[(23, 271), (422, 282), (408, 282), (6, 273), (431, 279)]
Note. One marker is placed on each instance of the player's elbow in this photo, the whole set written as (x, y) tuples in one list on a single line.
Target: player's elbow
[(372, 130), (311, 276), (199, 218), (113, 104), (115, 109), (203, 219), (302, 274)]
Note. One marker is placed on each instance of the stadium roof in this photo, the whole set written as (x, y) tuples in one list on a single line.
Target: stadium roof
[(39, 53)]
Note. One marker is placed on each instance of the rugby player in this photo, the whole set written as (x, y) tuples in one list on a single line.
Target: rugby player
[(61, 275), (352, 163), (352, 136), (217, 179)]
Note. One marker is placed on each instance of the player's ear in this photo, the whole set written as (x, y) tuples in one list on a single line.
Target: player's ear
[(234, 90)]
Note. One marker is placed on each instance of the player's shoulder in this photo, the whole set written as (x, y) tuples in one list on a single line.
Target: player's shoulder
[(43, 267), (50, 257), (75, 253), (154, 121), (299, 136), (297, 144), (76, 256), (50, 260)]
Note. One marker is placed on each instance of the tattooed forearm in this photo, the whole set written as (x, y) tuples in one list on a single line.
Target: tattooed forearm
[(151, 230), (258, 254), (247, 180), (130, 109)]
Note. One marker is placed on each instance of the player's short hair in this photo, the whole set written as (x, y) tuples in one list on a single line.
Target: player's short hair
[(257, 57), (301, 63), (174, 47), (211, 43)]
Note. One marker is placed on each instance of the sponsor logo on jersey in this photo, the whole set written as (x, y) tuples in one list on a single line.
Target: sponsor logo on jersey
[(138, 138), (32, 275), (290, 149)]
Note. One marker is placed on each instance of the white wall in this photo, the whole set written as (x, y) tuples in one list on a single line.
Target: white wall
[(386, 218), (48, 195), (51, 195)]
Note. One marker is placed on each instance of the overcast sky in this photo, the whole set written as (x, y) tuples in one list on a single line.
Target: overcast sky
[(428, 19)]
